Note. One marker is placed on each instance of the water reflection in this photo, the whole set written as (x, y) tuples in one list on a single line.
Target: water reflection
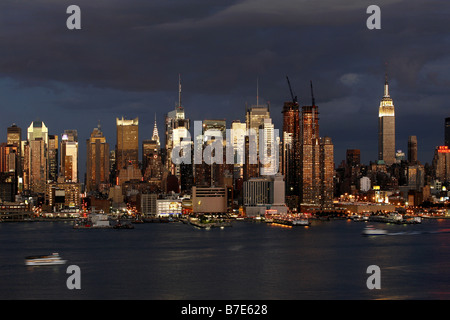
[(249, 261)]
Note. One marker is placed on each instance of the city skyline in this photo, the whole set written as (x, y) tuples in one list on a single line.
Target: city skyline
[(82, 156), (224, 51)]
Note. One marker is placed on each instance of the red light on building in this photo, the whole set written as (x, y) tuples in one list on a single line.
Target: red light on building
[(443, 149)]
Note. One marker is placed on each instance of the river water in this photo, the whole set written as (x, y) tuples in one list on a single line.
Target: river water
[(248, 261)]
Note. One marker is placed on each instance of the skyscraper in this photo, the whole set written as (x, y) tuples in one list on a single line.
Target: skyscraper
[(13, 135), (152, 170), (36, 155), (127, 150), (441, 163), (237, 137), (13, 139), (177, 128), (69, 156), (290, 163), (97, 161), (412, 149), (269, 153), (254, 119), (316, 160), (53, 158), (386, 127)]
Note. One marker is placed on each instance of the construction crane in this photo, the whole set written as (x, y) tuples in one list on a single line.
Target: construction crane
[(312, 94), (294, 98)]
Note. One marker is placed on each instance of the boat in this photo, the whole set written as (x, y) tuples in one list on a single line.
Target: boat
[(93, 221), (292, 221), (372, 231), (300, 222), (44, 260)]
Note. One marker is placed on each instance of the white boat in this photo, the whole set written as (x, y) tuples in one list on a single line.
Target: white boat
[(44, 260), (372, 231), (300, 222), (93, 221)]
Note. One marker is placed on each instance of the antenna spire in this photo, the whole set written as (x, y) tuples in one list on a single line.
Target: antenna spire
[(179, 91), (386, 84), (257, 91)]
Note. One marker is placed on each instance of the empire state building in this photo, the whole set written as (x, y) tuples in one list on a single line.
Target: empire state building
[(386, 128)]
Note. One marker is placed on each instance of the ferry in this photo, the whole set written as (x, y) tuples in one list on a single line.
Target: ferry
[(300, 222), (372, 231), (93, 221), (44, 260), (292, 221)]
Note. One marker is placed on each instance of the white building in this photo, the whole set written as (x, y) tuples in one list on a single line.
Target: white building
[(168, 207), (364, 184)]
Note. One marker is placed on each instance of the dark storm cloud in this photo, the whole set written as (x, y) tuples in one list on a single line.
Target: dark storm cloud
[(127, 57)]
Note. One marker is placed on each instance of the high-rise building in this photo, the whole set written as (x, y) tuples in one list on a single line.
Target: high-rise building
[(326, 172), (412, 149), (211, 143), (127, 150), (177, 128), (254, 119), (53, 158), (69, 156), (269, 153), (14, 141), (9, 158), (152, 166), (97, 161), (290, 155), (237, 136), (386, 128), (447, 131), (37, 129), (36, 155), (441, 163), (14, 135), (316, 160)]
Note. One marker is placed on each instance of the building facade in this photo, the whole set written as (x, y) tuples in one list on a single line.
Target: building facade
[(127, 150), (97, 161), (316, 160)]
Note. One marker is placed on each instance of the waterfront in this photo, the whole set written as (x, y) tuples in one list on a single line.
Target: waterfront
[(248, 261)]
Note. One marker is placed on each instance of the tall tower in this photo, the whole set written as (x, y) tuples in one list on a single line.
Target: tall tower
[(53, 157), (155, 136), (69, 156), (127, 150), (412, 149), (290, 148), (14, 138), (386, 127), (316, 160), (310, 155), (36, 157), (152, 166), (127, 142), (177, 128), (97, 161)]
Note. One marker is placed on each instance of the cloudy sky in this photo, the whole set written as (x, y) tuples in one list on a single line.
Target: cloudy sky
[(126, 59)]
